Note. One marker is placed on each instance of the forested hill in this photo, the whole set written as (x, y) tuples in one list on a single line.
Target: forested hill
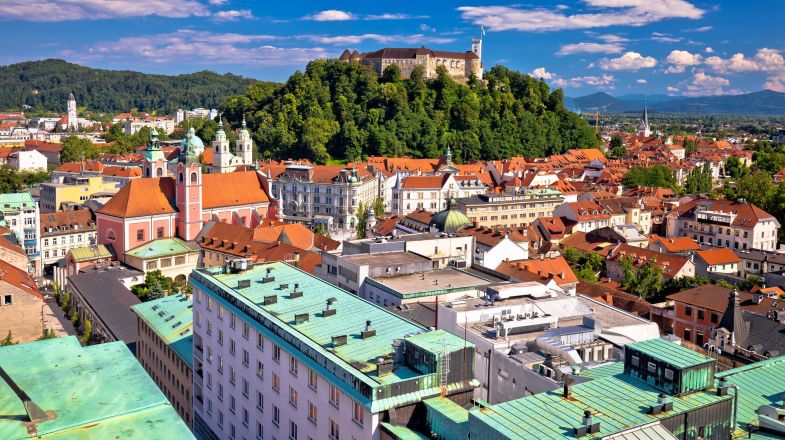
[(45, 85), (342, 110)]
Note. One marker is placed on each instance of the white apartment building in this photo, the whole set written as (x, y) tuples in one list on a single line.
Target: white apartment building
[(132, 126), (27, 161), (737, 225), (64, 230), (432, 192), (281, 354), (317, 194), (20, 213)]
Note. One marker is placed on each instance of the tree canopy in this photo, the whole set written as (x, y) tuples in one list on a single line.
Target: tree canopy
[(343, 110), (659, 176)]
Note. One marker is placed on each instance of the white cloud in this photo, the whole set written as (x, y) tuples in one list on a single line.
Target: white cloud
[(775, 82), (233, 15), (708, 50), (672, 90), (666, 39), (569, 49), (217, 2), (67, 10), (681, 59), (641, 81), (424, 27), (338, 15), (611, 38), (378, 38), (703, 29), (208, 48), (702, 84), (604, 81), (609, 13), (765, 60), (540, 72), (628, 61), (330, 15)]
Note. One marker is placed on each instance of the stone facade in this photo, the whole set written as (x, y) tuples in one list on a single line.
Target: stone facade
[(460, 65)]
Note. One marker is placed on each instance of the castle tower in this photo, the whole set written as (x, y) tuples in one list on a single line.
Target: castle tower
[(154, 164), (222, 157), (71, 116), (644, 130), (244, 145), (188, 192)]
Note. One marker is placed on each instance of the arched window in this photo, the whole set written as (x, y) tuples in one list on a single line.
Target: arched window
[(110, 235), (181, 176), (159, 172), (193, 177), (147, 172)]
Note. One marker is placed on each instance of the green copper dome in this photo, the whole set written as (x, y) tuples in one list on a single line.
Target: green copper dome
[(191, 141), (220, 133), (450, 220), (244, 129)]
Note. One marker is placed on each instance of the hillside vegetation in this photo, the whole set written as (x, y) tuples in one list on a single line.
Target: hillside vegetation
[(338, 110), (45, 85)]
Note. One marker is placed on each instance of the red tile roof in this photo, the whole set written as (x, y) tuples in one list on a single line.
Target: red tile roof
[(19, 279), (676, 244), (540, 270), (424, 182), (670, 264), (713, 257)]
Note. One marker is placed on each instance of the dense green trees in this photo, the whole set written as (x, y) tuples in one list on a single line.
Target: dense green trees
[(45, 85), (12, 180), (76, 149), (699, 180), (586, 265), (616, 148), (644, 281), (735, 168), (342, 110), (659, 176)]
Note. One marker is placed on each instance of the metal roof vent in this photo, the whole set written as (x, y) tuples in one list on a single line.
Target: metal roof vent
[(663, 404), (242, 284), (329, 311), (369, 331), (589, 426), (300, 318), (270, 299), (339, 340), (269, 278)]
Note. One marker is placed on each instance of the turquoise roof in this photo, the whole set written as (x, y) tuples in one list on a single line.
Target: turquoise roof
[(618, 402), (670, 353), (609, 369), (161, 247), (357, 356), (171, 318), (16, 201), (95, 392), (761, 383)]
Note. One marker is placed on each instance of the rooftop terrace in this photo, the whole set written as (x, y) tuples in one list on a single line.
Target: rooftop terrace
[(96, 392)]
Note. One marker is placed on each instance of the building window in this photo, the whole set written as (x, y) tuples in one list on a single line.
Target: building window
[(715, 318), (668, 374), (8, 300), (335, 396), (259, 401), (312, 412), (357, 413), (246, 357), (292, 430), (293, 396), (260, 341), (246, 330), (193, 178), (293, 365), (245, 388), (688, 311), (651, 366), (700, 314), (260, 369), (335, 433), (276, 382), (313, 380), (276, 353), (276, 415), (159, 232), (140, 234)]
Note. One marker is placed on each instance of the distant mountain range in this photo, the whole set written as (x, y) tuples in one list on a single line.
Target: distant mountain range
[(763, 103)]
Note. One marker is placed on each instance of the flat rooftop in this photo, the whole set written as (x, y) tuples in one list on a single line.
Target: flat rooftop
[(100, 391), (171, 318), (379, 259), (315, 334), (434, 280)]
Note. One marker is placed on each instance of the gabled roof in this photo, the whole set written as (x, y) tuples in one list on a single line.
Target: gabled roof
[(670, 264), (677, 244), (19, 279), (425, 182), (66, 220), (150, 196), (747, 214), (713, 257), (540, 270), (232, 189)]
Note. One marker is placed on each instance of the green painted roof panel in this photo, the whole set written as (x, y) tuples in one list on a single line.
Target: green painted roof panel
[(671, 353), (80, 386), (88, 253), (171, 317), (161, 248)]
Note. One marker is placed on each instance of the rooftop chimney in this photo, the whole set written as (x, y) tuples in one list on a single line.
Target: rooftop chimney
[(568, 381), (369, 331), (329, 311)]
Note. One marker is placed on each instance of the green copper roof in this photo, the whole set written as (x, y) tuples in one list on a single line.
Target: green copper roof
[(450, 220), (609, 369), (171, 318), (88, 253), (671, 353), (16, 201), (761, 383), (618, 402), (161, 247), (403, 433), (357, 356), (95, 392)]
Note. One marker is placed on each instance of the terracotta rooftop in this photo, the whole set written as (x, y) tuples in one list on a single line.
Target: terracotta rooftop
[(540, 270), (676, 244), (670, 264), (19, 279), (718, 256), (66, 220)]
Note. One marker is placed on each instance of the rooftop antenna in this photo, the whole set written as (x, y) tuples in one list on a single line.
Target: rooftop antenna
[(34, 412)]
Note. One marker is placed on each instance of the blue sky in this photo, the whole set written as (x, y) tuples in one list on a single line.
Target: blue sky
[(677, 47)]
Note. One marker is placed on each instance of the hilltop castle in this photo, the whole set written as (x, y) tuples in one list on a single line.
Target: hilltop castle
[(460, 65)]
